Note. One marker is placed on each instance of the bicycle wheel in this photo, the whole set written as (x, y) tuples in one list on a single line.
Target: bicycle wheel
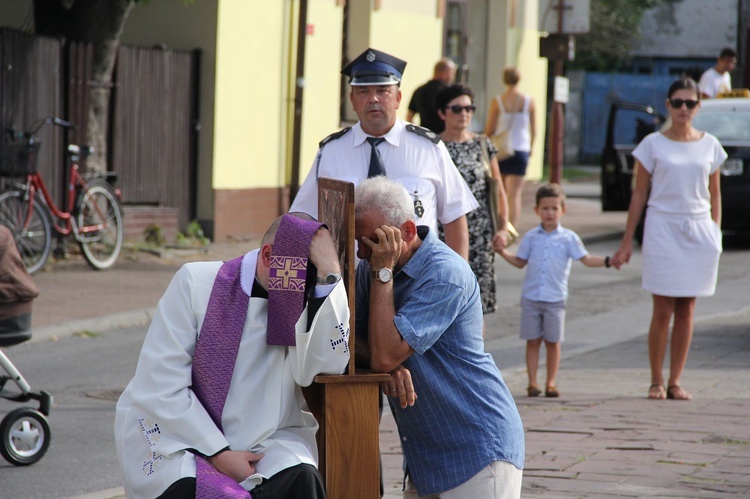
[(33, 234), (99, 221)]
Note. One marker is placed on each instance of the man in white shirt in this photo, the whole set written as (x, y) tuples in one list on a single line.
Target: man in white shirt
[(717, 79), (167, 431), (381, 144)]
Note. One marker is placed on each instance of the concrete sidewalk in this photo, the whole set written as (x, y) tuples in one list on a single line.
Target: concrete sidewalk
[(602, 439)]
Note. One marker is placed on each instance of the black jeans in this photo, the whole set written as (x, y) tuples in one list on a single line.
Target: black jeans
[(298, 482)]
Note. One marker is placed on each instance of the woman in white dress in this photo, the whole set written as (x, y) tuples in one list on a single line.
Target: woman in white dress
[(677, 176)]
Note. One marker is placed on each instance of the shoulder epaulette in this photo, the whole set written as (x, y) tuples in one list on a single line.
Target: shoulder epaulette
[(424, 132), (334, 136)]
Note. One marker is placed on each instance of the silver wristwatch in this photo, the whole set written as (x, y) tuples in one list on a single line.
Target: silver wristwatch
[(383, 275), (328, 279)]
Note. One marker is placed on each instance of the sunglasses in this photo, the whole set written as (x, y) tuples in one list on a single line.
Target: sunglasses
[(456, 109), (677, 103)]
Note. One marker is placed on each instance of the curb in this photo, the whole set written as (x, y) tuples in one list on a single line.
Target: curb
[(603, 236), (96, 325)]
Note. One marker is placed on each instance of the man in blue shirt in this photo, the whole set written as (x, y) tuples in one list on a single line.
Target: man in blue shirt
[(419, 309)]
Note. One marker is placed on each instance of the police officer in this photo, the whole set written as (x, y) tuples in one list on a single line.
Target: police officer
[(382, 144)]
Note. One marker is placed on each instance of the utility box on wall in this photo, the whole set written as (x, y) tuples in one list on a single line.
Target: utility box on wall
[(556, 47)]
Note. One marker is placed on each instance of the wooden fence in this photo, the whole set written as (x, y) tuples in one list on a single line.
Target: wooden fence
[(152, 141)]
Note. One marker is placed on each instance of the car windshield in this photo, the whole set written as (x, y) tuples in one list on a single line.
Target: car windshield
[(728, 125)]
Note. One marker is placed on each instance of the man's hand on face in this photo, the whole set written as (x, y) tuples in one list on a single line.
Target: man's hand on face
[(323, 253), (386, 251)]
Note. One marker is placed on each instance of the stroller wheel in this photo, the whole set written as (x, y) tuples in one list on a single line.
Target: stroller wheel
[(26, 434)]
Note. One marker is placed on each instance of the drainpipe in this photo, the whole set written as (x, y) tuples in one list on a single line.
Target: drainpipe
[(299, 82)]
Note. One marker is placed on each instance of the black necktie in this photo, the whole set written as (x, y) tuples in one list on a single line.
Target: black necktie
[(376, 161)]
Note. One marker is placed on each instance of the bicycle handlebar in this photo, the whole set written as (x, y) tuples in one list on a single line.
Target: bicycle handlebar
[(14, 134), (54, 120), (66, 124)]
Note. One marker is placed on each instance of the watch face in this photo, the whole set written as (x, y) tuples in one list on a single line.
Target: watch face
[(329, 279), (383, 275)]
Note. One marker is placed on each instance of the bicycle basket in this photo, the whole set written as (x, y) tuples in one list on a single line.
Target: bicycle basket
[(18, 158)]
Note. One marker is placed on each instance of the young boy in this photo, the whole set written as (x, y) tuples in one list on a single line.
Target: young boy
[(549, 250)]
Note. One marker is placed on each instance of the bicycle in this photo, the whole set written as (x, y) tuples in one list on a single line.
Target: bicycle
[(93, 216)]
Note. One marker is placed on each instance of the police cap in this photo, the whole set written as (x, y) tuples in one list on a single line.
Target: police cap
[(373, 67)]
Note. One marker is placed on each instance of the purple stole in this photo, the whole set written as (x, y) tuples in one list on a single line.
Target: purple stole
[(219, 340), (213, 363)]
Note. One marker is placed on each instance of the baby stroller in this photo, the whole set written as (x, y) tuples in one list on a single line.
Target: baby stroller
[(25, 432)]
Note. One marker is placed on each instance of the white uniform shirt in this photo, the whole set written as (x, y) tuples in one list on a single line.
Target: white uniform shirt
[(713, 83), (158, 416), (423, 167)]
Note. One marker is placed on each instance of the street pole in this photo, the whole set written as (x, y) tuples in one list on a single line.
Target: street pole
[(557, 129), (557, 133), (299, 81)]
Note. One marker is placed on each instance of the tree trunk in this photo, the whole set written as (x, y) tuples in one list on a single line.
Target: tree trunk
[(99, 22)]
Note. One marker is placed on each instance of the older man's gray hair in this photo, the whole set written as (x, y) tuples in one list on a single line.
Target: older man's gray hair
[(384, 196)]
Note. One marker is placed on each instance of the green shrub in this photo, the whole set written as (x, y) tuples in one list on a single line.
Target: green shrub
[(154, 235)]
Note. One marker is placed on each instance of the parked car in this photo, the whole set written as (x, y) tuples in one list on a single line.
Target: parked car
[(628, 124), (726, 118), (729, 120)]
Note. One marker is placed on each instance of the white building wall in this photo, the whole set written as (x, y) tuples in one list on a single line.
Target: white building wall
[(689, 28)]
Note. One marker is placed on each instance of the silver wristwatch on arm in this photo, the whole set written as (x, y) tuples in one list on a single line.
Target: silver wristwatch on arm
[(331, 278), (383, 275)]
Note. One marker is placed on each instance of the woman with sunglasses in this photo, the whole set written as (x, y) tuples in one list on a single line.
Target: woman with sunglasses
[(515, 110), (455, 106), (677, 176)]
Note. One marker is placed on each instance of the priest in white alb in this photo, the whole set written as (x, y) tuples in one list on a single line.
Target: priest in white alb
[(215, 408)]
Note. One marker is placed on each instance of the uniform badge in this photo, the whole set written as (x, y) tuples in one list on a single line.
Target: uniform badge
[(418, 207), (370, 56)]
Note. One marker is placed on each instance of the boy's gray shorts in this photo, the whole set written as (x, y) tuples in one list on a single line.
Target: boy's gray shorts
[(542, 319)]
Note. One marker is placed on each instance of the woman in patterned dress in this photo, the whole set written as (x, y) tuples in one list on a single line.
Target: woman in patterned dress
[(455, 107)]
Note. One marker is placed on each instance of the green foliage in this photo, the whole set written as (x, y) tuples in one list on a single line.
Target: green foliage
[(613, 34), (193, 236), (153, 234), (572, 174)]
